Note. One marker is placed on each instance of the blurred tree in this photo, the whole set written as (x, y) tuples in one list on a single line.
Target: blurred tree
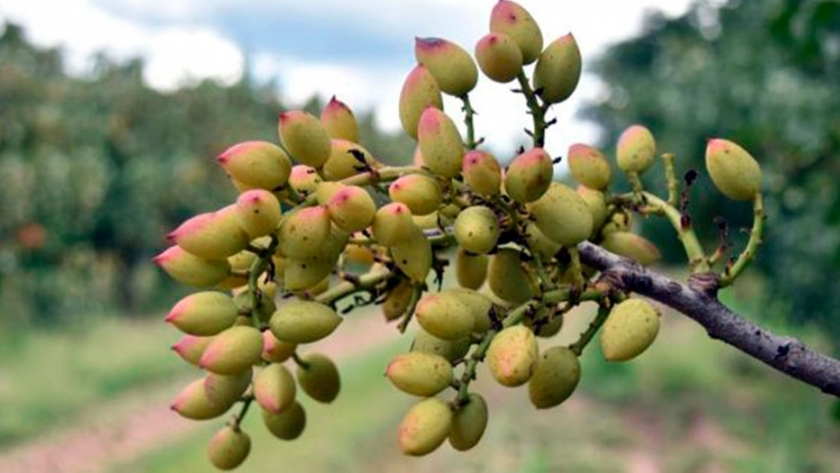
[(96, 169), (767, 75)]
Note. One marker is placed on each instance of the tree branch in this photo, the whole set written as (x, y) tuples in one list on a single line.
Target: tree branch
[(786, 354)]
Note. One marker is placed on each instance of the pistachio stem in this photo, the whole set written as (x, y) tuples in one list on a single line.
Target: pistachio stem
[(412, 304), (240, 416), (693, 249), (537, 111), (731, 273), (469, 113), (365, 282), (671, 179), (594, 326), (514, 317), (299, 361), (259, 266)]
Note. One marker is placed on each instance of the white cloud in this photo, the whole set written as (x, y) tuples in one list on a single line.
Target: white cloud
[(173, 53), (181, 43)]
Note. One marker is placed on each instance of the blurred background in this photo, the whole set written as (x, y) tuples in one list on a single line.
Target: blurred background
[(111, 115)]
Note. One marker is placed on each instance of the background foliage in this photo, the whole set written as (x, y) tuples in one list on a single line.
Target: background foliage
[(96, 170), (764, 74)]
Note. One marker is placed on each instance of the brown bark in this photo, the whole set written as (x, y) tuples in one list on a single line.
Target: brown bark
[(698, 301)]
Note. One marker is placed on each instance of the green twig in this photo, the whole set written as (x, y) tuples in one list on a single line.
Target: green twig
[(671, 179), (732, 272), (514, 317), (412, 304), (594, 326), (536, 110), (469, 113), (299, 361), (365, 282), (693, 250), (258, 267), (240, 416)]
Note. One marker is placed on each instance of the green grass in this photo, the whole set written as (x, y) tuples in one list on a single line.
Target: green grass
[(688, 404), (336, 436), (48, 378)]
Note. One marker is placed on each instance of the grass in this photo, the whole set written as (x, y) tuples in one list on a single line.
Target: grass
[(688, 404), (336, 436), (48, 378)]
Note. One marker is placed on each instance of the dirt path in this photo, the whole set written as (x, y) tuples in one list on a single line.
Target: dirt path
[(140, 421)]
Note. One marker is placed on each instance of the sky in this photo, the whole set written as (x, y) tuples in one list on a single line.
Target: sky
[(359, 51)]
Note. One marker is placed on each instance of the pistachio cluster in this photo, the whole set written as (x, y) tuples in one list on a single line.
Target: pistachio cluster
[(321, 227)]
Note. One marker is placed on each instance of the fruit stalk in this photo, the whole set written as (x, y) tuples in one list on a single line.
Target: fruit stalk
[(469, 113), (512, 318), (589, 333), (671, 179), (536, 110), (258, 267), (698, 263), (240, 416), (731, 273)]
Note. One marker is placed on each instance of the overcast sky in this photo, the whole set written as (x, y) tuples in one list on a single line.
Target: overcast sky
[(360, 51)]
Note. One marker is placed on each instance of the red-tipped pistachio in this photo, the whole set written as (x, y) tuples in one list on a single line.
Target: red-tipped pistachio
[(257, 164), (258, 212), (424, 427), (513, 356), (190, 269), (228, 448), (420, 90), (420, 193), (203, 313), (233, 351), (477, 229), (192, 403), (347, 159), (629, 330), (512, 19), (451, 66), (213, 235), (304, 179), (445, 315), (558, 70), (274, 388), (339, 121), (224, 390), (190, 348), (562, 215), (352, 208), (636, 149), (274, 350), (529, 175), (499, 58), (482, 173), (733, 170), (588, 166), (303, 321), (303, 233), (420, 373), (304, 137), (440, 143), (392, 224)]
